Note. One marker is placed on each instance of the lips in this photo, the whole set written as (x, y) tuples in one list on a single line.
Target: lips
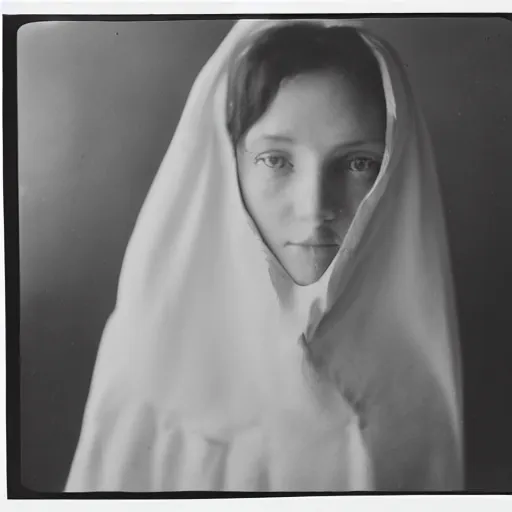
[(315, 244), (325, 239)]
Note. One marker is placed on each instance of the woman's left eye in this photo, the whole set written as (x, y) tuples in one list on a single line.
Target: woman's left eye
[(363, 164)]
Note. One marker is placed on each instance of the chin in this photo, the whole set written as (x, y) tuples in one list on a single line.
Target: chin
[(307, 278), (307, 266)]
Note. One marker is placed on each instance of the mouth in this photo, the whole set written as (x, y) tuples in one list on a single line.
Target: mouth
[(315, 245), (324, 239), (316, 242)]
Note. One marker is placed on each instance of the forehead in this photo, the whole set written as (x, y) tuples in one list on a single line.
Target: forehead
[(320, 108)]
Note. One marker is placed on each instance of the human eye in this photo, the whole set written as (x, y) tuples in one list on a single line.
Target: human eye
[(273, 161), (363, 164)]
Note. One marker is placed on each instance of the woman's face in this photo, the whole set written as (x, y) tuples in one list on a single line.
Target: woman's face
[(306, 165)]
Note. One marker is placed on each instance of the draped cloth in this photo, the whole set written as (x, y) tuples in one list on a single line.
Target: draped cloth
[(216, 372)]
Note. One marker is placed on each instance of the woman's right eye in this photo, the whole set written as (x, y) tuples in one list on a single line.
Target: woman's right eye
[(274, 161)]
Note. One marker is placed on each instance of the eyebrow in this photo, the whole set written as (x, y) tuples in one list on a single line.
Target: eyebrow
[(278, 138), (291, 140)]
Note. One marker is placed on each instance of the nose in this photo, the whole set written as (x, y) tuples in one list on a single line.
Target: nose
[(314, 196)]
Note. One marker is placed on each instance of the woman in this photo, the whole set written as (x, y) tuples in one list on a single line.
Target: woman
[(284, 319)]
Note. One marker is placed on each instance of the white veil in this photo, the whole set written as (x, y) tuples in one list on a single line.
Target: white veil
[(201, 338)]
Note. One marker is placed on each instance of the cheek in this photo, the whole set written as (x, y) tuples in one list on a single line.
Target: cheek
[(358, 188), (346, 192), (265, 195)]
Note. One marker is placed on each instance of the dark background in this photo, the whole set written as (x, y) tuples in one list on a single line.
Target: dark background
[(97, 106)]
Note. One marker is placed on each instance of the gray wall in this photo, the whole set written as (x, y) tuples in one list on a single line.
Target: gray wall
[(98, 104)]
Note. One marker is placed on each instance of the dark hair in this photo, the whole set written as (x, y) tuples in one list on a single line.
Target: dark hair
[(286, 51)]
